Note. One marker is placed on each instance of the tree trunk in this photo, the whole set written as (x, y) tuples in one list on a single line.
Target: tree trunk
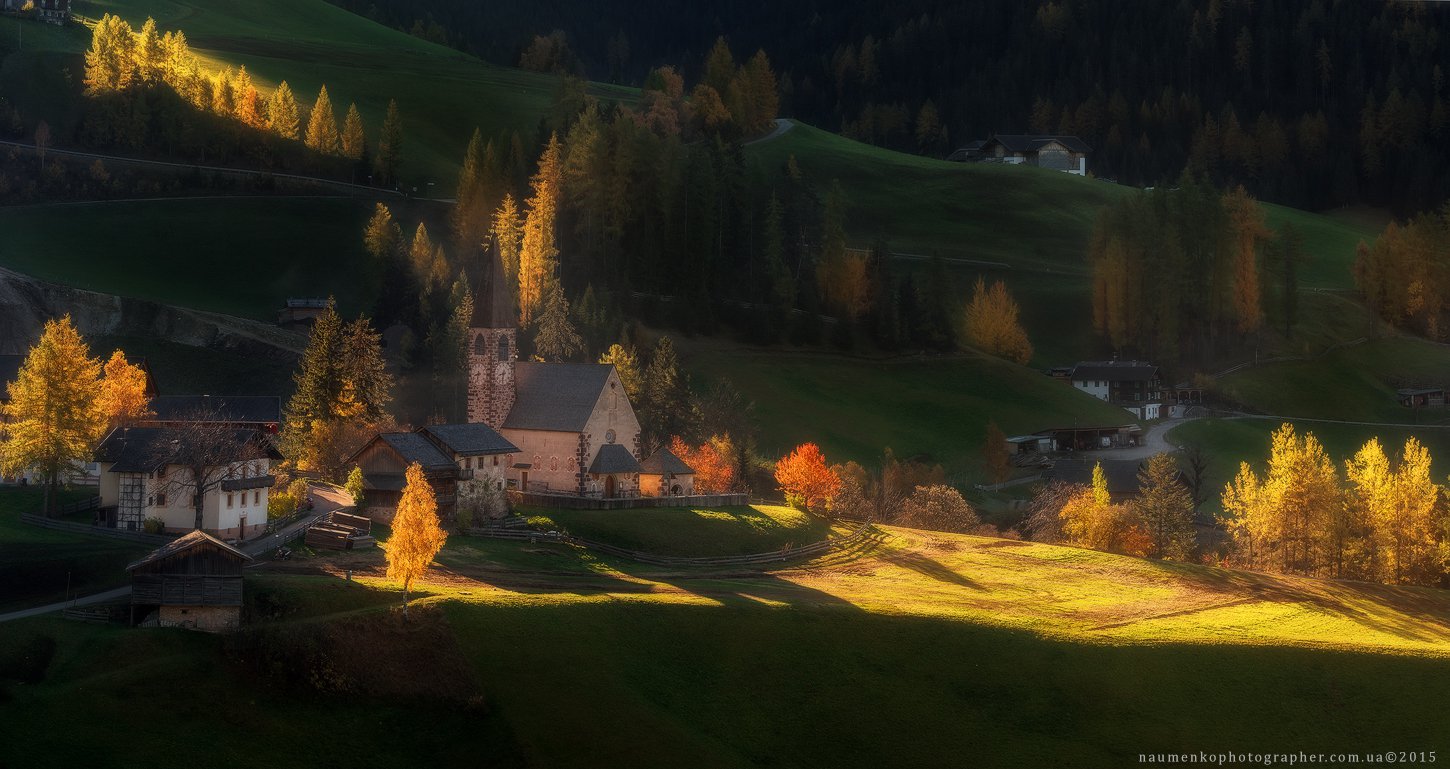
[(50, 494), (198, 503), (405, 600)]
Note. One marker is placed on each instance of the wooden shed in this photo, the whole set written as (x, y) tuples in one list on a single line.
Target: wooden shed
[(194, 582)]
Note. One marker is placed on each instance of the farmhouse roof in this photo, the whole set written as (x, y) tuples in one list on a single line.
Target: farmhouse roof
[(181, 544), (469, 440), (493, 297), (143, 449), (1115, 370), (613, 458), (246, 409), (413, 447), (559, 397), (664, 462), (1035, 142), (1420, 391)]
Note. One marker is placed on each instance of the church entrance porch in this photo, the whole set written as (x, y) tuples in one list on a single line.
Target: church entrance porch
[(609, 487)]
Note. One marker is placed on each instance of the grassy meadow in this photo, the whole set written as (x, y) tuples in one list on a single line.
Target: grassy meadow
[(934, 408), (40, 566), (686, 531), (919, 650)]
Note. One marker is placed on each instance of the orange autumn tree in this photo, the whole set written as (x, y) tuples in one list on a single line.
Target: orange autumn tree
[(123, 391), (806, 479), (417, 534), (714, 471), (1248, 232), (992, 324)]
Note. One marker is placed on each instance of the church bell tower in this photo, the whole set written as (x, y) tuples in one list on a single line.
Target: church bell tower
[(493, 345)]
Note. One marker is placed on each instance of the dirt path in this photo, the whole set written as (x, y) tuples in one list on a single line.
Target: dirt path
[(781, 126)]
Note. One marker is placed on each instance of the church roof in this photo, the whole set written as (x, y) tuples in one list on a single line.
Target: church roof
[(559, 397), (613, 458), (664, 462), (469, 440), (493, 297)]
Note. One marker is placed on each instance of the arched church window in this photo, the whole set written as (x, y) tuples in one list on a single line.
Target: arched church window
[(479, 346), (503, 347)]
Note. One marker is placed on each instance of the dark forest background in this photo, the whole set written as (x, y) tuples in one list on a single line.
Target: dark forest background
[(1252, 92)]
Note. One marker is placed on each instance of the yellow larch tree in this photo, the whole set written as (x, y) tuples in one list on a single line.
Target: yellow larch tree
[(322, 126), (54, 417), (1249, 232), (123, 391), (417, 534), (539, 253), (1408, 535), (1290, 518), (508, 230), (1090, 519), (992, 323)]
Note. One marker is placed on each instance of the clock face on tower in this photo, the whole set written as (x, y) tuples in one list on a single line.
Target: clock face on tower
[(478, 371)]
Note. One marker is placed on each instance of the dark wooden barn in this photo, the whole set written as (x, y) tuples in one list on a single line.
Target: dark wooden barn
[(194, 582)]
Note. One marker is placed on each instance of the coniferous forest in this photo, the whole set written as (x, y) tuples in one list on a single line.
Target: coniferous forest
[(1270, 95)]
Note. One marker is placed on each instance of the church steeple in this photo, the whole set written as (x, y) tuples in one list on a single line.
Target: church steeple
[(493, 346)]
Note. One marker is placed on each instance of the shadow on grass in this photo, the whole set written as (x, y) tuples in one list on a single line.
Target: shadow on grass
[(1411, 613)]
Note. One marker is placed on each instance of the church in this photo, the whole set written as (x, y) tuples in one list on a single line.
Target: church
[(573, 424)]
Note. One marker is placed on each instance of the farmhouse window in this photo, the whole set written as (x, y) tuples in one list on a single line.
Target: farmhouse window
[(256, 497), (161, 500), (229, 500)]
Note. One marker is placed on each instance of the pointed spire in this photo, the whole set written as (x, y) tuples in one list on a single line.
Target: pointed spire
[(493, 297)]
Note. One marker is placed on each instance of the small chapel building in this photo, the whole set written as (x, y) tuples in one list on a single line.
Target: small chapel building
[(573, 424)]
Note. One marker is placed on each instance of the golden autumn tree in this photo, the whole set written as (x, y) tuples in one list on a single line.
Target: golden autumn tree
[(417, 534), (1405, 527), (354, 136), (1091, 519), (123, 391), (508, 229), (992, 324), (806, 479), (711, 461), (1248, 232), (1289, 519), (539, 252), (282, 116), (54, 417), (322, 126)]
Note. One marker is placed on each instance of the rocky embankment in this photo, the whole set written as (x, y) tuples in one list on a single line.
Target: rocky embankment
[(26, 303)]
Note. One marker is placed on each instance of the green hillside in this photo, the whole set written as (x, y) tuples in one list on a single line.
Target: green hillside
[(918, 650), (854, 407)]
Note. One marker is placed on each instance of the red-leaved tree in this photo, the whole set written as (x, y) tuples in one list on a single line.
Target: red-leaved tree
[(806, 479), (711, 461)]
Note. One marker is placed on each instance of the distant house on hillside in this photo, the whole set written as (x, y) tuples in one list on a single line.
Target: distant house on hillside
[(303, 311), (1059, 153), (1134, 385), (55, 11), (1421, 397), (194, 582)]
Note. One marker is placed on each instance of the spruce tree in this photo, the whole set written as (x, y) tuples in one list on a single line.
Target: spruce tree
[(319, 381), (556, 339), (470, 218), (364, 370), (390, 146), (1164, 507), (382, 235)]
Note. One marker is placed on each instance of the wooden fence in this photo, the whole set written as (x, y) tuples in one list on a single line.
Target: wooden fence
[(865, 531), (98, 531), (573, 502)]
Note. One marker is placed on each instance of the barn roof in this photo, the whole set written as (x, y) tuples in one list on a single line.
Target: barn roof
[(664, 462), (186, 542), (250, 409), (613, 458), (556, 396), (469, 440), (1115, 370), (143, 449), (413, 447)]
